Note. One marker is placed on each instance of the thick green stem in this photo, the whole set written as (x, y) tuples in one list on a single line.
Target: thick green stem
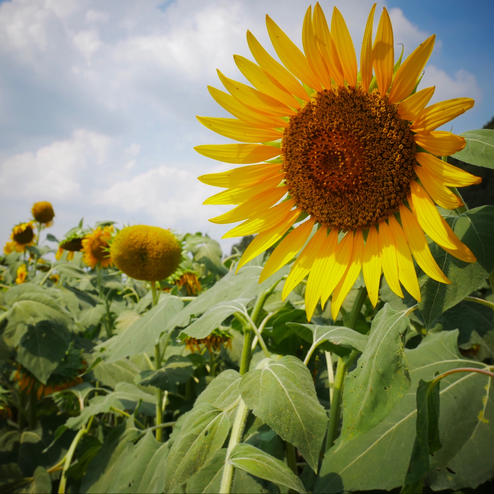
[(159, 396), (106, 318), (70, 455), (155, 293), (235, 437), (246, 350), (341, 369)]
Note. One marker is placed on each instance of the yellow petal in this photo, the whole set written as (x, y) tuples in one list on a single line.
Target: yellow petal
[(286, 250), (440, 113), (410, 70), (383, 53), (389, 260), (242, 176), (254, 98), (371, 265), (366, 52), (304, 262), (263, 82), (253, 207), (327, 46), (336, 266), (269, 219), (238, 153), (290, 55), (344, 47), (317, 276), (410, 108), (238, 195), (439, 193), (429, 218), (448, 174), (351, 275), (419, 247), (406, 269), (274, 69), (238, 130), (311, 49), (264, 241), (440, 142), (249, 115)]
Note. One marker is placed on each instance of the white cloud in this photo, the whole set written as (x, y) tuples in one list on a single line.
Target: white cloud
[(459, 85), (55, 170)]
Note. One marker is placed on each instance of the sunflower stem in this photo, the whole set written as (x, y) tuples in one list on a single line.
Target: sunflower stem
[(341, 369)]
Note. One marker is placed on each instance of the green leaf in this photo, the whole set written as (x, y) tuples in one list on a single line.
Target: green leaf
[(260, 464), (203, 431), (42, 348), (111, 373), (281, 393), (381, 377), (479, 149), (473, 228), (426, 436), (176, 370), (129, 454), (337, 335), (41, 482), (125, 397), (212, 318), (222, 391), (378, 458), (142, 335)]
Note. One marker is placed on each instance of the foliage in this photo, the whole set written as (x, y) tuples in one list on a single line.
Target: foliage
[(223, 386)]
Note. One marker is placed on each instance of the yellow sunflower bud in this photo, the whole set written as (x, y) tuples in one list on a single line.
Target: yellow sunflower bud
[(146, 252)]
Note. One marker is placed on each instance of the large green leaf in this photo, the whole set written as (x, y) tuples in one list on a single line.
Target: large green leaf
[(142, 335), (42, 348), (378, 458), (176, 370), (381, 377), (203, 432), (280, 391), (479, 149), (122, 464), (261, 464), (473, 228)]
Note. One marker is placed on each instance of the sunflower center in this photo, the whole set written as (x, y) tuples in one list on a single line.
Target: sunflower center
[(348, 158)]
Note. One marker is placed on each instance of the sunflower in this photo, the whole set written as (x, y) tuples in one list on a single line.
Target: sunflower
[(42, 212), (21, 237), (146, 252), (95, 247), (21, 274), (353, 170), (190, 282)]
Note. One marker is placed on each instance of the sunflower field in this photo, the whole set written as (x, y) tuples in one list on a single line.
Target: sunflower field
[(345, 344)]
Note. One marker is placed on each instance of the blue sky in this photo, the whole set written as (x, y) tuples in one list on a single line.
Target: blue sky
[(98, 99)]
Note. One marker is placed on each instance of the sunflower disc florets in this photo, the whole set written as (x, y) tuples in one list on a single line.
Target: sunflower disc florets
[(146, 252)]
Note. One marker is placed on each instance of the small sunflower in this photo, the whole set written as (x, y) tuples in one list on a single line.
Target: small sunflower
[(146, 252), (42, 212), (21, 237), (213, 342), (95, 247), (21, 274), (354, 170)]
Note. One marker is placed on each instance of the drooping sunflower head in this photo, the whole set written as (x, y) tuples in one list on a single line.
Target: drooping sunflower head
[(23, 235), (42, 212), (190, 282), (96, 245), (145, 252), (343, 165)]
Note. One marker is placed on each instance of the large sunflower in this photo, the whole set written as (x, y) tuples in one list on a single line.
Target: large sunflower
[(353, 170)]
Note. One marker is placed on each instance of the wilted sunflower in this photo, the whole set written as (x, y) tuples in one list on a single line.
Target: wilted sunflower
[(95, 247), (355, 160), (190, 282), (42, 212), (146, 252)]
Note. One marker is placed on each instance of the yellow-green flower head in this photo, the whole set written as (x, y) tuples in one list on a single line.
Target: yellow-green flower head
[(146, 252), (43, 212), (23, 234)]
